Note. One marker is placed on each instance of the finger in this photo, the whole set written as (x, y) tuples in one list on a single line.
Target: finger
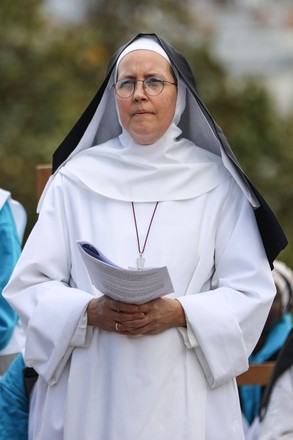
[(126, 317), (123, 307), (151, 305), (119, 328), (133, 324), (140, 330)]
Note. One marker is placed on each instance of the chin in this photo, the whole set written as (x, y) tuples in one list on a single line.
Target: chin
[(145, 139), (144, 144)]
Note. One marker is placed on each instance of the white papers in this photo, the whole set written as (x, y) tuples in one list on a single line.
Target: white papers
[(129, 286)]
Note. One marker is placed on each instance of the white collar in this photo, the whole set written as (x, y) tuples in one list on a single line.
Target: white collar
[(168, 170), (103, 142)]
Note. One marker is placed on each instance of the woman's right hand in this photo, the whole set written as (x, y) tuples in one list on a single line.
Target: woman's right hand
[(107, 314)]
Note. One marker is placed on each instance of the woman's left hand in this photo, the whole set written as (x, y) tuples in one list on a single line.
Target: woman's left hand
[(160, 314)]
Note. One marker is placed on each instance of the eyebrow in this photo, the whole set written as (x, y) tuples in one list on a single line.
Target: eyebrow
[(149, 75)]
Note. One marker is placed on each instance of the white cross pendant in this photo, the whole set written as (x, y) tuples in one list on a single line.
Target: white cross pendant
[(139, 263)]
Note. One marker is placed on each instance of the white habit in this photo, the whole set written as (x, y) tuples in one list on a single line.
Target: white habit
[(176, 385)]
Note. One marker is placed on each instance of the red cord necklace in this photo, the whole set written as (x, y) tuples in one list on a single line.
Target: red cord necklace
[(140, 260)]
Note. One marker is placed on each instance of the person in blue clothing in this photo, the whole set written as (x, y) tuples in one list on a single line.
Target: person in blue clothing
[(272, 339), (11, 333), (14, 402)]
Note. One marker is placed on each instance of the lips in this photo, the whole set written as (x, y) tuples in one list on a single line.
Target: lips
[(142, 112)]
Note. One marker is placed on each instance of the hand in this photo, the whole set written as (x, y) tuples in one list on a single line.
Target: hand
[(129, 319), (104, 312), (159, 315)]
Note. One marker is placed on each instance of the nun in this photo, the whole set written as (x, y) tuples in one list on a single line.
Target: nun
[(148, 178)]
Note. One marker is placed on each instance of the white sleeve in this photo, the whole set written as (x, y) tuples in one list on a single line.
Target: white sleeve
[(224, 323), (53, 313)]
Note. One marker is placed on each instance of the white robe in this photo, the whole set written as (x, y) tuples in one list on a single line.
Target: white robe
[(177, 385)]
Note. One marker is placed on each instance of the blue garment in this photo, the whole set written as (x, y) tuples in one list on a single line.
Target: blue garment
[(14, 403), (10, 249), (251, 394)]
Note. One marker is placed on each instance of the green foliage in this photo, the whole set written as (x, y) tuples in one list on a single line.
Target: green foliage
[(45, 75), (256, 133), (50, 71)]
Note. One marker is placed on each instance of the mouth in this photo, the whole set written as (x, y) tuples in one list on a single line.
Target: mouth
[(142, 112)]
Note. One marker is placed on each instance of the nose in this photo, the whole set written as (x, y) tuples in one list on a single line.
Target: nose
[(139, 91)]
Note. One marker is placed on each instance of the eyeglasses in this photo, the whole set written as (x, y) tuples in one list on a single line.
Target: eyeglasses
[(152, 86)]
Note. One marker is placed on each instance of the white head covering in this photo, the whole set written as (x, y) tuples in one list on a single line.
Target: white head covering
[(143, 43), (172, 168)]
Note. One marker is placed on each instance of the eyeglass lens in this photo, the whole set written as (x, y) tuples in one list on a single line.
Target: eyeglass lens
[(152, 86)]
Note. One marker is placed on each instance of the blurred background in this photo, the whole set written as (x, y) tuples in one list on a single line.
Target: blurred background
[(54, 54)]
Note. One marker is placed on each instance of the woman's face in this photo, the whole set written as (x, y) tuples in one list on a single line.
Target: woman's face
[(146, 118)]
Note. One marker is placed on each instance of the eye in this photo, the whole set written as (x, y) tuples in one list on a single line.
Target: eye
[(125, 84), (154, 81)]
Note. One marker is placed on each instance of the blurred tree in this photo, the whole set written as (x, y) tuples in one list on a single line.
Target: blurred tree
[(45, 71), (18, 25), (262, 143)]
